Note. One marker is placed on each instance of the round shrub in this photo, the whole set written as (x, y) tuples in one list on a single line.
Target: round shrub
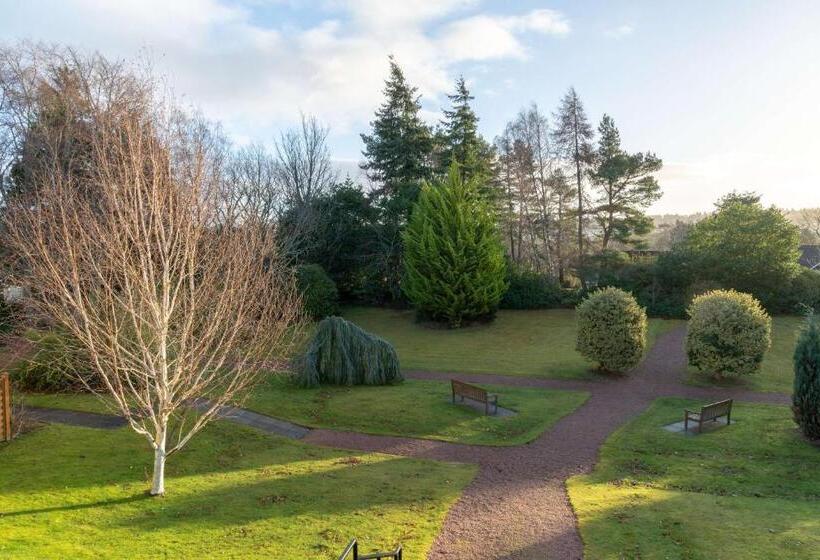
[(341, 353), (320, 298), (611, 329), (728, 333), (806, 397), (528, 289)]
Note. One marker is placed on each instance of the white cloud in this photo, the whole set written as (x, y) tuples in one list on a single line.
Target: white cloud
[(620, 32), (485, 37), (256, 75)]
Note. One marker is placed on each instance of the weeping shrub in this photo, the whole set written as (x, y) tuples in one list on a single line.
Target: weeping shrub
[(806, 397), (454, 265), (611, 329), (341, 353), (728, 333), (320, 298)]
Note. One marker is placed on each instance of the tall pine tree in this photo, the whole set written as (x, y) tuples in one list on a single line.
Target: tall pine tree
[(399, 148), (460, 141), (806, 397), (572, 136), (626, 187), (398, 158)]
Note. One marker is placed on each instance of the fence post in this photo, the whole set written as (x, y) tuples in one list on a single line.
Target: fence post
[(5, 407)]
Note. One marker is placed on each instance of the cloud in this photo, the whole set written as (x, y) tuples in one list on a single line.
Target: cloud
[(255, 74), (485, 37), (620, 32)]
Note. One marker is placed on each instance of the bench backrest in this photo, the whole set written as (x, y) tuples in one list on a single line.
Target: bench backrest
[(470, 391), (716, 410)]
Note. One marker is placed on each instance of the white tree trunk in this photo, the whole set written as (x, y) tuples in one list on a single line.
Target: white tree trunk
[(158, 484)]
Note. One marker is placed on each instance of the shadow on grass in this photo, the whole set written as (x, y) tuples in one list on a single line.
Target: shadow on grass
[(369, 489), (78, 507)]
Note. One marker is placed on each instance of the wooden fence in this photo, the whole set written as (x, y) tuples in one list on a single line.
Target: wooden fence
[(5, 407)]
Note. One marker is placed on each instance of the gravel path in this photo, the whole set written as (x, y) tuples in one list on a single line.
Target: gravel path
[(517, 506)]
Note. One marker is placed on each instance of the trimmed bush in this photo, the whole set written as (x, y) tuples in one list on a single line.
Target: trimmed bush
[(55, 365), (528, 289), (806, 397), (454, 265), (611, 329), (728, 333), (341, 353), (320, 298)]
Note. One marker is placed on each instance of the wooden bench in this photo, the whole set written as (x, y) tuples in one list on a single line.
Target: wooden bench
[(475, 393), (708, 413)]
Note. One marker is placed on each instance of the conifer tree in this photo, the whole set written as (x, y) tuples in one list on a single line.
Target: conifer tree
[(806, 397), (460, 140), (398, 157), (399, 148), (572, 136), (626, 187), (454, 268)]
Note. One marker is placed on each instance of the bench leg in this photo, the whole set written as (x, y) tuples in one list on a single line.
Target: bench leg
[(685, 423)]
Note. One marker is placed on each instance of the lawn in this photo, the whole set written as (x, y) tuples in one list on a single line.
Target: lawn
[(750, 490), (534, 343), (777, 372), (416, 408), (68, 492)]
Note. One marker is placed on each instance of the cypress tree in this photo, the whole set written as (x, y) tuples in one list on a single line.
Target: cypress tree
[(806, 397), (454, 268)]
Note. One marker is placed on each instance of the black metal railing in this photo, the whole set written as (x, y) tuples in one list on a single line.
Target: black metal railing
[(353, 547)]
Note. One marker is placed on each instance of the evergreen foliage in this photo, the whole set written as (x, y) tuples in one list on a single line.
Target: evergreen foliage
[(728, 333), (454, 264), (627, 187), (460, 141), (398, 150), (320, 297), (806, 396), (527, 289), (341, 353), (611, 329)]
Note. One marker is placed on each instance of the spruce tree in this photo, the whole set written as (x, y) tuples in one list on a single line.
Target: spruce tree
[(399, 148), (454, 268), (806, 397), (460, 140), (398, 157)]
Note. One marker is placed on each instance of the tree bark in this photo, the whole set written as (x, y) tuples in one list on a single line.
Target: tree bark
[(158, 484)]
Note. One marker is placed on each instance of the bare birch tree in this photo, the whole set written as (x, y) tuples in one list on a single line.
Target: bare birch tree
[(171, 297)]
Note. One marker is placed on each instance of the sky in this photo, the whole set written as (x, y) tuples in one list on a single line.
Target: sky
[(726, 92)]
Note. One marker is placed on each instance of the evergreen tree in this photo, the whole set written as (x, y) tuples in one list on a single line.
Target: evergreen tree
[(454, 268), (573, 136), (806, 397), (460, 140), (627, 187), (398, 154), (398, 149)]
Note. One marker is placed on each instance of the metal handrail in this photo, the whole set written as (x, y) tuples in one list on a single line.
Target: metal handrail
[(353, 546)]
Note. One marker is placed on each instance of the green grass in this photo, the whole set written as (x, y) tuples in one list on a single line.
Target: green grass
[(415, 408), (68, 492), (750, 490), (777, 372), (72, 401), (533, 343)]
